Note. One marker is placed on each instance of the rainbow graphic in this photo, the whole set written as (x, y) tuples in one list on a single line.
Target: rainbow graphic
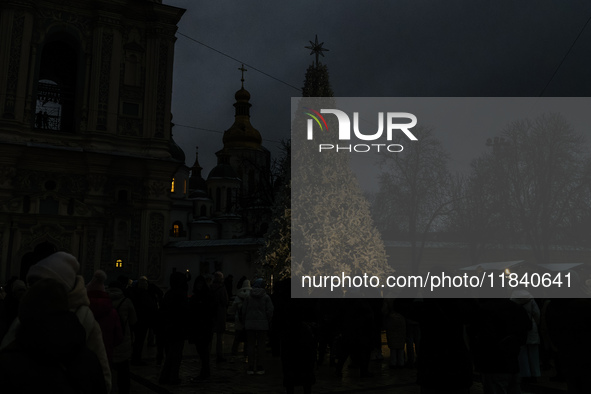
[(315, 117)]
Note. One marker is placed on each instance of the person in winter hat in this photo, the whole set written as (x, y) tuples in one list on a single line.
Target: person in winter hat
[(236, 308), (257, 312), (60, 266), (63, 267)]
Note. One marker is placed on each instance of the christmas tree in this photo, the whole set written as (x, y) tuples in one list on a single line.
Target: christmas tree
[(332, 230)]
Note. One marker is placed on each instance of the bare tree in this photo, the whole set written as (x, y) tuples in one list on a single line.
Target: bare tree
[(543, 168), (475, 213), (414, 190)]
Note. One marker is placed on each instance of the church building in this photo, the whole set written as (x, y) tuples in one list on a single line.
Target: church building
[(86, 150), (218, 222)]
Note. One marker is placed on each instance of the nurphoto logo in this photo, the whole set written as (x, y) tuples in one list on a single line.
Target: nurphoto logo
[(344, 133)]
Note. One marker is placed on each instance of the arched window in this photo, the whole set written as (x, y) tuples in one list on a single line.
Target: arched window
[(132, 72), (250, 182), (57, 86), (26, 204), (228, 199), (71, 206), (172, 186), (218, 199), (49, 206), (122, 196), (177, 230), (121, 236)]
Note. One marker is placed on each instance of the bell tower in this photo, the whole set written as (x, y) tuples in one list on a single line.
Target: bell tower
[(251, 161), (85, 130)]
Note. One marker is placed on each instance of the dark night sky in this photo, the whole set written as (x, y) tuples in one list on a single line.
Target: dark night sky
[(377, 49)]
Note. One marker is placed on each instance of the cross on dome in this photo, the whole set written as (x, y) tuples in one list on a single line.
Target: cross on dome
[(243, 70)]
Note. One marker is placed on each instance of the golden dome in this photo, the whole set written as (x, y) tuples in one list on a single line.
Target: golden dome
[(242, 134)]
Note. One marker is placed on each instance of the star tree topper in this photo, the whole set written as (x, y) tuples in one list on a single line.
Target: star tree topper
[(316, 48)]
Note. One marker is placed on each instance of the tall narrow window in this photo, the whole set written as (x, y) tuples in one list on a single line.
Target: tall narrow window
[(131, 71), (177, 230), (228, 199), (218, 199), (122, 196), (250, 182), (172, 186), (56, 87), (49, 107)]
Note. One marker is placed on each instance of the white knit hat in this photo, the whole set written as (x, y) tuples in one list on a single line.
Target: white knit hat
[(246, 285), (60, 266)]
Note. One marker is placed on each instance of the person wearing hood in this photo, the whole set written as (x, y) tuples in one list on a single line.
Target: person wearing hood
[(529, 355), (201, 315), (63, 267), (146, 308), (104, 313), (257, 312), (236, 308), (219, 297), (173, 315), (49, 353), (122, 352)]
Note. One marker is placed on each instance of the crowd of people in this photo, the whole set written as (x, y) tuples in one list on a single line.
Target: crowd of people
[(61, 334)]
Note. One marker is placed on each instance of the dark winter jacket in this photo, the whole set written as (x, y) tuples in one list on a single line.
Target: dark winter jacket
[(173, 312), (257, 310), (51, 357), (497, 332), (395, 325), (444, 361), (219, 297), (569, 324), (107, 318), (202, 311), (236, 307), (128, 318), (145, 304), (298, 341), (49, 352)]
